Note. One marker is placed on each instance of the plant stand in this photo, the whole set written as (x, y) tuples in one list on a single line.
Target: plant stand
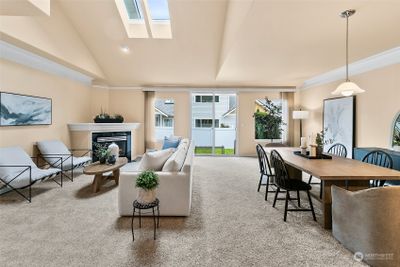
[(139, 206)]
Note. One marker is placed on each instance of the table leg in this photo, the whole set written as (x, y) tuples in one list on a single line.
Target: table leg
[(97, 181), (116, 176), (327, 197)]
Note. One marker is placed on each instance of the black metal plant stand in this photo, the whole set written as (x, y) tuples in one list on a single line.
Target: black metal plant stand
[(153, 205)]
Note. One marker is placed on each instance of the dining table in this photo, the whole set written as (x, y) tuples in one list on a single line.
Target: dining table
[(343, 172)]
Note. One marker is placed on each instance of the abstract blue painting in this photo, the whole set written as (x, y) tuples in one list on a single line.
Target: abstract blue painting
[(24, 110)]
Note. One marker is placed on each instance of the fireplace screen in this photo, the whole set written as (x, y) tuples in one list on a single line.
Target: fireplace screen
[(122, 139)]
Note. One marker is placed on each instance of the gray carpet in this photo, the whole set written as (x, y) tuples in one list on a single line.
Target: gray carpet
[(230, 225)]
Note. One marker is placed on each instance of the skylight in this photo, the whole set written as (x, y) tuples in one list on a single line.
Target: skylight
[(158, 9), (134, 9), (145, 18)]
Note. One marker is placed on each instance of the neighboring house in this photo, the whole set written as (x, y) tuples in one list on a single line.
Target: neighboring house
[(164, 118), (225, 111)]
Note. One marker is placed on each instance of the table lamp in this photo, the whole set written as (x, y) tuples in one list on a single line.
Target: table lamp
[(300, 115)]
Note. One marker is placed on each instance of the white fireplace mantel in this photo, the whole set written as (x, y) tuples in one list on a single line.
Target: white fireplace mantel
[(103, 127)]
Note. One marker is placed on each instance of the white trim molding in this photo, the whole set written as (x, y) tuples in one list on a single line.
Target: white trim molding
[(21, 56), (386, 58), (103, 127)]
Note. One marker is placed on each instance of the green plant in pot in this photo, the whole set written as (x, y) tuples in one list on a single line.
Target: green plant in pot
[(147, 183), (320, 141), (101, 152)]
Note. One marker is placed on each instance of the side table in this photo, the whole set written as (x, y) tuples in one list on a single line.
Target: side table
[(139, 206)]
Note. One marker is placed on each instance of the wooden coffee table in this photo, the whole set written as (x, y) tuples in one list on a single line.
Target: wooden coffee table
[(99, 169)]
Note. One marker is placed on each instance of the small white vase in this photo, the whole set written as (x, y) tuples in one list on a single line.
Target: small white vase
[(146, 196), (396, 148), (114, 150)]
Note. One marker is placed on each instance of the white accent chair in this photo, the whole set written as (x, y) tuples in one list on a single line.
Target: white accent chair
[(18, 171), (66, 161), (368, 221)]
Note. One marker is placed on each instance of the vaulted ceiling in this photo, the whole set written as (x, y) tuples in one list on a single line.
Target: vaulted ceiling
[(235, 42)]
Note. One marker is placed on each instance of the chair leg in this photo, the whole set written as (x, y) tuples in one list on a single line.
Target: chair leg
[(311, 205), (133, 217), (298, 198), (309, 180), (30, 194), (266, 191), (276, 196), (259, 183), (286, 205)]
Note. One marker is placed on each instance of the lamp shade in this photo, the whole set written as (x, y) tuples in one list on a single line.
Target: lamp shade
[(300, 114), (348, 89)]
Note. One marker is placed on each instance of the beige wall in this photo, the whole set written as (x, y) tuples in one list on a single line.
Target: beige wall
[(52, 36), (70, 103), (375, 109), (131, 105)]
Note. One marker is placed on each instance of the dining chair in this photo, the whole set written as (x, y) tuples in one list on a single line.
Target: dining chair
[(337, 150), (379, 158), (283, 181), (265, 171)]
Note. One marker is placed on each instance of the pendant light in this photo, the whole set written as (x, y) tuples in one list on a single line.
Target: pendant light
[(347, 88)]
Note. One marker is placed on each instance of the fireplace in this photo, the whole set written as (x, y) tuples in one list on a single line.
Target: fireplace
[(122, 139)]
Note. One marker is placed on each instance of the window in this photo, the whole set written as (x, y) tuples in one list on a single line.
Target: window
[(164, 118), (168, 122), (158, 120), (145, 18), (134, 9), (206, 123), (206, 98), (158, 9), (268, 119)]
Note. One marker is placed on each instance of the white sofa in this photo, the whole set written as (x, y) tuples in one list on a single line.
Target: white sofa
[(174, 190)]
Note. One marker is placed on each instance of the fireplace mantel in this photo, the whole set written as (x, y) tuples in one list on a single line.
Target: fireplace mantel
[(81, 134), (103, 127)]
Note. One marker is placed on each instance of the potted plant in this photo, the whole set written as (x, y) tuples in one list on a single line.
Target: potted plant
[(147, 183), (320, 141), (101, 152), (104, 117)]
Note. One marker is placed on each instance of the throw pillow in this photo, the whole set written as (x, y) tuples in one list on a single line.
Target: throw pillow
[(171, 142), (176, 161), (155, 160)]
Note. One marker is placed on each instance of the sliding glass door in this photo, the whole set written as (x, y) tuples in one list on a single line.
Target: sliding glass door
[(214, 123)]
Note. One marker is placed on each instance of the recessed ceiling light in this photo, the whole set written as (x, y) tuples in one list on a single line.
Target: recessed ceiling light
[(125, 49)]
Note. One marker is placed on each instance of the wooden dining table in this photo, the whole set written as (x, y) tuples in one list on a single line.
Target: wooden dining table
[(343, 172)]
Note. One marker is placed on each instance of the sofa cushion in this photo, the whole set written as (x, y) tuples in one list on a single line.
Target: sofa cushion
[(175, 162), (14, 156), (171, 142), (155, 160)]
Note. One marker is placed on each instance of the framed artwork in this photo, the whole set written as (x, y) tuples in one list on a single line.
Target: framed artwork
[(20, 110), (339, 122)]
